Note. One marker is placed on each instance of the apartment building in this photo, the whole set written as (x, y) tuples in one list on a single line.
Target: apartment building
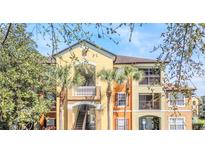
[(150, 103), (202, 107)]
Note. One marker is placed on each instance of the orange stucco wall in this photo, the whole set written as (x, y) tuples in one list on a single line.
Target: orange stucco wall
[(185, 114), (118, 112)]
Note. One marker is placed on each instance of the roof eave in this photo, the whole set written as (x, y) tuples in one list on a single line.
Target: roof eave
[(137, 63)]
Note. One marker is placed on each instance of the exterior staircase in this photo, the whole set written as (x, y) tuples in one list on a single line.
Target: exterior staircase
[(81, 119)]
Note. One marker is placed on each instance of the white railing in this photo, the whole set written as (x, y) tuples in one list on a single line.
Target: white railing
[(85, 91)]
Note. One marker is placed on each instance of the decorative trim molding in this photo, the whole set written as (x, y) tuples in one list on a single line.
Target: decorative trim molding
[(152, 110)]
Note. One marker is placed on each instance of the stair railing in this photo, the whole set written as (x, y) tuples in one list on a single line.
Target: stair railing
[(85, 119)]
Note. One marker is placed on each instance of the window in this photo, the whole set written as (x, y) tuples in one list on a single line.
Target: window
[(176, 99), (121, 99), (120, 124), (176, 123), (149, 101), (151, 76), (50, 122)]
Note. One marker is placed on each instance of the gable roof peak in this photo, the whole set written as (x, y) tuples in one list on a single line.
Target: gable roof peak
[(90, 45)]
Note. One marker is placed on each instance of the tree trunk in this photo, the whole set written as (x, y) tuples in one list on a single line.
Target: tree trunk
[(125, 113), (62, 98), (109, 92), (126, 103), (6, 35), (108, 113)]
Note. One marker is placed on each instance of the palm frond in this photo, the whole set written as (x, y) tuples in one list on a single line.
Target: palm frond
[(119, 76), (78, 79), (131, 72)]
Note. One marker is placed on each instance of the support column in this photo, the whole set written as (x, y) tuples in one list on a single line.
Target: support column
[(61, 127), (65, 115), (70, 116), (57, 113), (98, 119), (98, 112)]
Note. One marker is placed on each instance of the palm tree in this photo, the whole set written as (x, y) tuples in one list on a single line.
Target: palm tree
[(130, 73), (66, 77), (109, 76)]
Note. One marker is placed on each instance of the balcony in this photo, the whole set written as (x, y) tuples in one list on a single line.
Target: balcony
[(84, 93), (151, 76), (150, 101), (150, 106)]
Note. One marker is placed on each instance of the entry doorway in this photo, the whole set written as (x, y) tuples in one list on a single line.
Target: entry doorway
[(85, 118), (149, 123)]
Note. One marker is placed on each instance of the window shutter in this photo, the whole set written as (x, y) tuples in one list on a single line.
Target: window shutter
[(116, 124), (127, 100)]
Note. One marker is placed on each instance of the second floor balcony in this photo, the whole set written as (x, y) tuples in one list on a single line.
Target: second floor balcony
[(84, 93), (150, 101)]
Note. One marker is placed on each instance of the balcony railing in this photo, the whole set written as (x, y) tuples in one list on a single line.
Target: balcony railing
[(149, 105), (84, 93)]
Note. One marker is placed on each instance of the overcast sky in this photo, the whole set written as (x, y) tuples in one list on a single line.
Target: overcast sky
[(144, 38)]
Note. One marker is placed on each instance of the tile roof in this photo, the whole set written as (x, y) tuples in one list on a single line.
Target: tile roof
[(132, 60)]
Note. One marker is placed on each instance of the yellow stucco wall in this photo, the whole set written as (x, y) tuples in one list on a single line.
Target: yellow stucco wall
[(101, 62)]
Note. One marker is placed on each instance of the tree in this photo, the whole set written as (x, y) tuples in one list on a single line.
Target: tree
[(109, 76), (182, 45), (183, 48), (24, 88), (13, 38), (65, 77), (129, 73), (68, 33), (88, 72)]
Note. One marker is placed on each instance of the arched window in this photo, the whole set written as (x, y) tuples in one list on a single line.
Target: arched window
[(88, 71)]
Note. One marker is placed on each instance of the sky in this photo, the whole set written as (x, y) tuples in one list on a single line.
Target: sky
[(144, 38)]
